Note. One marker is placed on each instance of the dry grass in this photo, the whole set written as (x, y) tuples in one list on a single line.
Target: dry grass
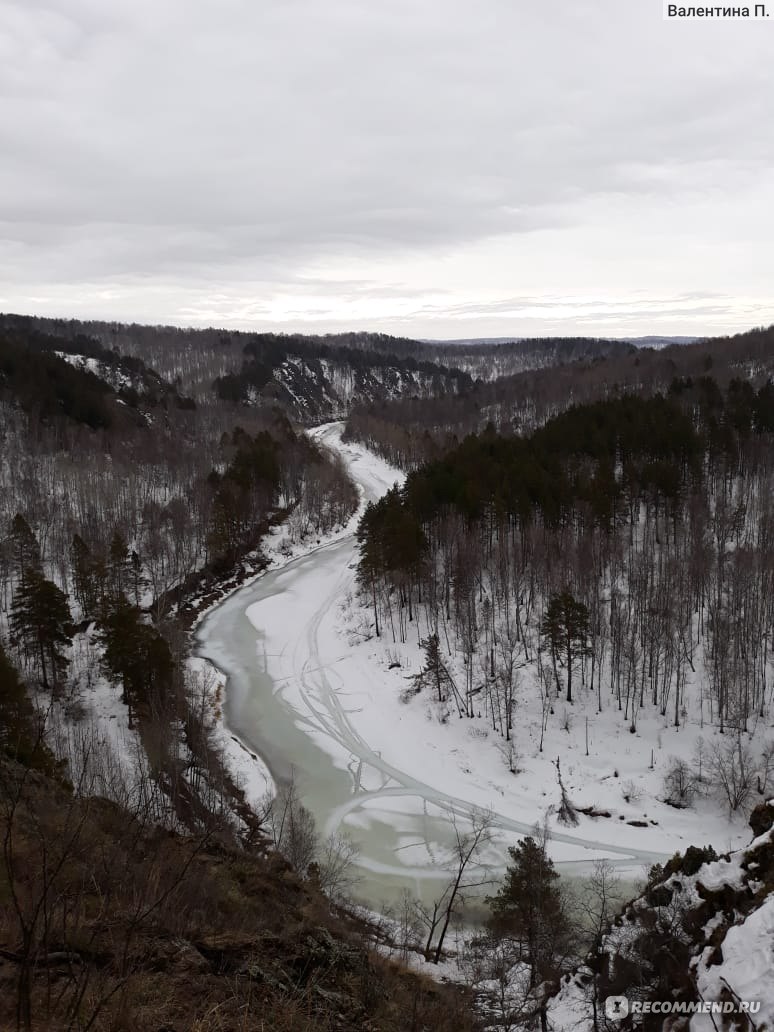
[(118, 925)]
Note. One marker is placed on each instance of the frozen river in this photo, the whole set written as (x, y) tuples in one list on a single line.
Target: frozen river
[(289, 700)]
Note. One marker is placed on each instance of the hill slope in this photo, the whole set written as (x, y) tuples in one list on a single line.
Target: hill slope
[(107, 921), (701, 932)]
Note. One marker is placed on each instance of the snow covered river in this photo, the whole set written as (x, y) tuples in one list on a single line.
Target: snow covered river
[(295, 698)]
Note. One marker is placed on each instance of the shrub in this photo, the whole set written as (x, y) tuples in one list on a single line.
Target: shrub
[(679, 784), (731, 767), (631, 791)]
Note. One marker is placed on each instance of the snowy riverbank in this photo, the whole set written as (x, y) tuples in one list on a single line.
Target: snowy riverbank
[(313, 691)]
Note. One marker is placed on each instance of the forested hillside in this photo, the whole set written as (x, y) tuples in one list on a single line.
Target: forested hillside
[(122, 505), (310, 377), (81, 381), (408, 431), (317, 380), (622, 553), (316, 377), (493, 359)]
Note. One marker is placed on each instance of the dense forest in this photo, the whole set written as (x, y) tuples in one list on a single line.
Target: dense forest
[(624, 549), (409, 431), (315, 377)]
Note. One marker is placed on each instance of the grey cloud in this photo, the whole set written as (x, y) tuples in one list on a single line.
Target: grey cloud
[(196, 143)]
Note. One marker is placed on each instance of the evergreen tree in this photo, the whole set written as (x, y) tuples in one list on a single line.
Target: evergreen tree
[(226, 525), (136, 655), (434, 671), (763, 411), (138, 579), (530, 909), (566, 627), (24, 547), (21, 735), (41, 623), (371, 564), (101, 577)]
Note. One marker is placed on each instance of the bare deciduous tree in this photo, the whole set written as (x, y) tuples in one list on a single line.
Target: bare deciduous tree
[(461, 863)]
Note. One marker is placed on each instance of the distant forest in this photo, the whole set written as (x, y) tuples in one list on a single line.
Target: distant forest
[(409, 431), (625, 546)]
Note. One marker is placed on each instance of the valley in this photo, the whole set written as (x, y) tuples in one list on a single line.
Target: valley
[(310, 690)]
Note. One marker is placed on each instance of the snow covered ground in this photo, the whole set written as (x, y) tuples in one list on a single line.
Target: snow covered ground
[(730, 955), (315, 692), (246, 768), (622, 775), (88, 727), (117, 379)]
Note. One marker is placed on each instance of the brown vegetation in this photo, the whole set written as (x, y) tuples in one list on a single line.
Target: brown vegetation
[(110, 922)]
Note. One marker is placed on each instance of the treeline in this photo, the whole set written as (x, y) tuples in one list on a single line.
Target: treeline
[(79, 379), (493, 359), (585, 457), (628, 542), (239, 362), (409, 432), (267, 356)]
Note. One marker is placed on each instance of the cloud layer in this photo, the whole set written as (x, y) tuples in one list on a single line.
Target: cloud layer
[(442, 169)]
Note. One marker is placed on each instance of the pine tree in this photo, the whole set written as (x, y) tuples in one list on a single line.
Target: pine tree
[(24, 547), (42, 623), (434, 671), (135, 654), (566, 626), (530, 909)]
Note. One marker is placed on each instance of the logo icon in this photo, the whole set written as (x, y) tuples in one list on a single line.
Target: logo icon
[(616, 1007)]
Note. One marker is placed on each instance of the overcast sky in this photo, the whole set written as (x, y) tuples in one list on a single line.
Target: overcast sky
[(438, 168)]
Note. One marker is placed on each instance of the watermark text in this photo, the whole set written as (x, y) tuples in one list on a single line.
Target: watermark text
[(620, 1007)]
